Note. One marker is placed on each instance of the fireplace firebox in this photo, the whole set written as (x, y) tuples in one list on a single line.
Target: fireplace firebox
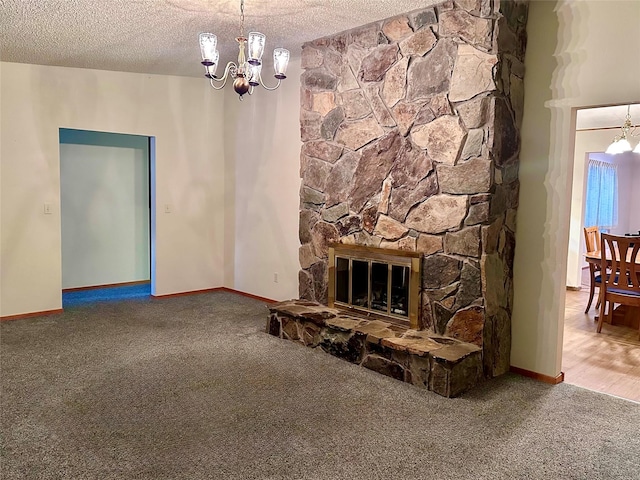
[(375, 281)]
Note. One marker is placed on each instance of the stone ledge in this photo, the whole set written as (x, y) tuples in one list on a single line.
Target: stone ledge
[(444, 365)]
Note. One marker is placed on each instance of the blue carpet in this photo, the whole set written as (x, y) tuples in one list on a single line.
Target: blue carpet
[(109, 294)]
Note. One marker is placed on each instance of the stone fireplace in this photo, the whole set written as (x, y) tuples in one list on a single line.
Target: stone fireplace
[(410, 131)]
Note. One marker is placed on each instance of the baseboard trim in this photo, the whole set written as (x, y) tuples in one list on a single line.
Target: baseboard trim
[(20, 316), (184, 294), (107, 285), (249, 295), (538, 376), (574, 289), (217, 289)]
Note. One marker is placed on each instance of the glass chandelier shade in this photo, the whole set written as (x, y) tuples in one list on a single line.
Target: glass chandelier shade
[(280, 62), (621, 143), (619, 146), (247, 72), (256, 47), (208, 44), (254, 75)]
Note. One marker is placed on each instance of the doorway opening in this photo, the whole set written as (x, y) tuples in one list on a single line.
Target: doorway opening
[(106, 211), (608, 362)]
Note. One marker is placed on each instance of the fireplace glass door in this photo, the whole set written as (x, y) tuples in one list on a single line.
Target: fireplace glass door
[(372, 285)]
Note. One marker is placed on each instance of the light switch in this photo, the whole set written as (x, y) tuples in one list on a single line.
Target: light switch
[(47, 209), (167, 208)]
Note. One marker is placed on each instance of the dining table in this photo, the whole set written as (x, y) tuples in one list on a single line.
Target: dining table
[(623, 314)]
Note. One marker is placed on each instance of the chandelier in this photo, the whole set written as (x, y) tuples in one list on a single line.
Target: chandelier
[(247, 73), (621, 143)]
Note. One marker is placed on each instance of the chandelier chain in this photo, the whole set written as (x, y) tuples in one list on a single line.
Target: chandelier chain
[(242, 18)]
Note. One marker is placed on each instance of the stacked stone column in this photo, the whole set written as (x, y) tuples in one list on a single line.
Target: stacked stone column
[(410, 141)]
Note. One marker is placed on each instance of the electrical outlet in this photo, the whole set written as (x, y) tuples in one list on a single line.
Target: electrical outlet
[(275, 277)]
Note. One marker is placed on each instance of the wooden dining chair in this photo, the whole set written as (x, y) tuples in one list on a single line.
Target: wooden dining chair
[(592, 240), (623, 256)]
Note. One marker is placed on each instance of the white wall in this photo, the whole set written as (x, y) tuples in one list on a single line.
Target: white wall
[(579, 54), (104, 211), (265, 153), (182, 113), (634, 196)]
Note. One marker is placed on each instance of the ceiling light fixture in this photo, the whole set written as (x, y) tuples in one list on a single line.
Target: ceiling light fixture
[(247, 72), (621, 143)]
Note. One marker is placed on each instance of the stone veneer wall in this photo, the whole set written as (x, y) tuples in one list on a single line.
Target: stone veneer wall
[(410, 130)]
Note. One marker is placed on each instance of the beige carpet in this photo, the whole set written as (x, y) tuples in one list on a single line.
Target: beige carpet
[(191, 387)]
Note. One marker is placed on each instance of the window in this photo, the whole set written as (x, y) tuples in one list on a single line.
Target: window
[(601, 209)]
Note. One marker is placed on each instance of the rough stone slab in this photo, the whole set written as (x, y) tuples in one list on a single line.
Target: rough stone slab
[(419, 43), (470, 28), (424, 17), (322, 234), (472, 74), (467, 325), (384, 366), (375, 64), (305, 310), (323, 102), (365, 36), (431, 74), (464, 242), (442, 138), (342, 345), (375, 163), (290, 329), (407, 244), (478, 213), (390, 229), (376, 330), (438, 214), (414, 346), (310, 334), (339, 183), (347, 80), (380, 110), (345, 324), (311, 196), (455, 353), (355, 135), (311, 57), (449, 380), (319, 79), (428, 244), (405, 115), (323, 150), (306, 256), (475, 112), (354, 104), (397, 29), (335, 213), (331, 123)]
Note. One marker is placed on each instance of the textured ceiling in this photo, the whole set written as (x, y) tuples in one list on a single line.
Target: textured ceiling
[(607, 117), (161, 36)]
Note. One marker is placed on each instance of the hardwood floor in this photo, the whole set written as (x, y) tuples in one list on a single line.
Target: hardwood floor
[(608, 362)]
